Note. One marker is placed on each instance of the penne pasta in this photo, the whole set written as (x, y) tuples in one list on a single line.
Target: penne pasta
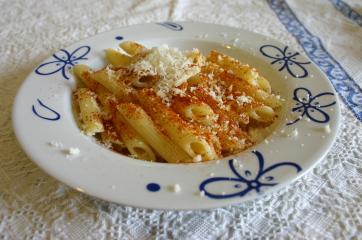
[(232, 138), (117, 59), (231, 81), (263, 84), (177, 129), (194, 110), (83, 73), (139, 120), (262, 114), (135, 144), (108, 79), (201, 113), (144, 81), (89, 111), (80, 69), (110, 138), (244, 72), (132, 48), (196, 57), (163, 104), (104, 96), (108, 101)]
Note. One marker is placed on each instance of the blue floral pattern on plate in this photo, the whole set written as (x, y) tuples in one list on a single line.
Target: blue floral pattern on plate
[(171, 25), (55, 117), (287, 59), (243, 183), (348, 88), (153, 187), (63, 62), (311, 106)]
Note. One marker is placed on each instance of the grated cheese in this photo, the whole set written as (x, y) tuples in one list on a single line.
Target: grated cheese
[(294, 133), (176, 188), (230, 97), (55, 144), (171, 64), (243, 99), (177, 91), (110, 72), (327, 129), (197, 158), (192, 89), (73, 151)]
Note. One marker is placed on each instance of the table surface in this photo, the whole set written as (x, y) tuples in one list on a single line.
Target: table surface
[(325, 203)]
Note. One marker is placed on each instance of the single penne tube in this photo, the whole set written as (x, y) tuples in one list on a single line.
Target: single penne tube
[(83, 72), (179, 131), (199, 113), (117, 59), (80, 69), (138, 119), (138, 148), (132, 48), (108, 79), (262, 114), (108, 102), (89, 111), (134, 142), (242, 71), (194, 110)]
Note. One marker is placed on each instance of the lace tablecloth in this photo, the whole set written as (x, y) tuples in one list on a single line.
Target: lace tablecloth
[(324, 204)]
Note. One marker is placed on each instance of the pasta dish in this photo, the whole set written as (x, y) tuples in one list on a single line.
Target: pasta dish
[(166, 105)]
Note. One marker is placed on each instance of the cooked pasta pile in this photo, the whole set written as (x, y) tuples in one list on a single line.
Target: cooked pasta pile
[(166, 105)]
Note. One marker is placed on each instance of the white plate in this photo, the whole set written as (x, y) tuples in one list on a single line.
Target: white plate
[(42, 113)]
